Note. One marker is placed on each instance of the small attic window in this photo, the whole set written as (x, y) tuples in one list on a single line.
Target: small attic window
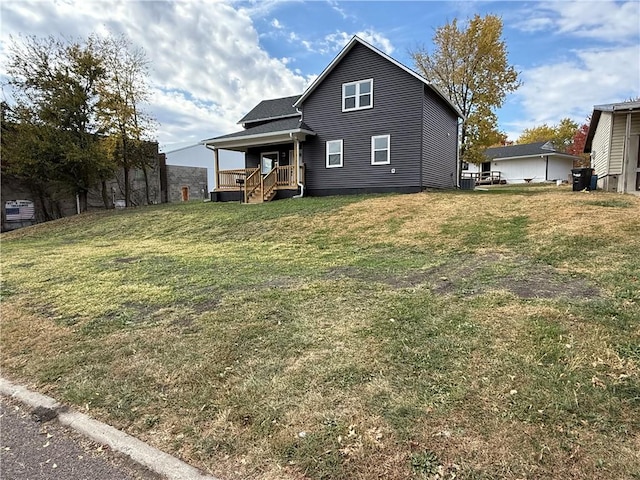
[(357, 95)]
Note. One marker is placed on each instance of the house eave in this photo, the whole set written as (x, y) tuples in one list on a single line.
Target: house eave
[(535, 155), (270, 138), (613, 108), (267, 119)]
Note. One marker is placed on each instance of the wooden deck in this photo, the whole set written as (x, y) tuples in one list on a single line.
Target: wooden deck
[(257, 187), (485, 178)]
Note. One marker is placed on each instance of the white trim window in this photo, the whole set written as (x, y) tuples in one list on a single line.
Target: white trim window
[(381, 150), (334, 153), (357, 95)]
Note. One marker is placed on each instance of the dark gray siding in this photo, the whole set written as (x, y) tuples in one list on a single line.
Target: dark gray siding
[(439, 143), (397, 111), (252, 157)]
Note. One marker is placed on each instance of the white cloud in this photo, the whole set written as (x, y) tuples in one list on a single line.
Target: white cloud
[(275, 23), (258, 8), (333, 42), (569, 84), (603, 19), (377, 39), (571, 88), (336, 7), (220, 62)]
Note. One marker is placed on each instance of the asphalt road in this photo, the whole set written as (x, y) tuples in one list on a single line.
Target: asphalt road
[(32, 448)]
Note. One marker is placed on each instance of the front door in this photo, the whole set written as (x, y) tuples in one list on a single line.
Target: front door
[(268, 161)]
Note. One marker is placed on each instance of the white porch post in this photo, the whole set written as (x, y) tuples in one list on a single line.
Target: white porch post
[(296, 154), (216, 167)]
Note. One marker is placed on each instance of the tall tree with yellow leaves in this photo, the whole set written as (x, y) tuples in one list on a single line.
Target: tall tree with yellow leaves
[(471, 67), (561, 135)]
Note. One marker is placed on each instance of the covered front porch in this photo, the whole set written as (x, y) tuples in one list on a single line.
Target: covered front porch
[(273, 162), (257, 187)]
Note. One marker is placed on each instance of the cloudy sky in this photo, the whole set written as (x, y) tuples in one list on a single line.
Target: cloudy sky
[(213, 61)]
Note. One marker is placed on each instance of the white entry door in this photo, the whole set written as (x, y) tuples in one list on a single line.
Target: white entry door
[(268, 161)]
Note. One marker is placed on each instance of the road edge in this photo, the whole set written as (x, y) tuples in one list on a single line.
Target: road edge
[(150, 457)]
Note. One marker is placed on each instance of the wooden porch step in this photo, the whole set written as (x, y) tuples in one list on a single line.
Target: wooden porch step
[(269, 196), (257, 197)]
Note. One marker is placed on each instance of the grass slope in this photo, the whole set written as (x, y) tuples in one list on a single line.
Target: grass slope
[(437, 335)]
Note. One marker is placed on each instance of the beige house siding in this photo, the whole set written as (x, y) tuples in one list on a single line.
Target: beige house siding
[(617, 144), (632, 162), (623, 152), (600, 145)]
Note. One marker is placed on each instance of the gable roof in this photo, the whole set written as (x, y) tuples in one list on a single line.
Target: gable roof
[(272, 109), (522, 150), (597, 112), (347, 48)]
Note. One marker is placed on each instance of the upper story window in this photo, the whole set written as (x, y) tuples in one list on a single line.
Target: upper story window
[(357, 95), (334, 153), (381, 150)]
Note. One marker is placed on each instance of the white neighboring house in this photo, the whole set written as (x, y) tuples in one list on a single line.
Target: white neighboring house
[(613, 140), (526, 163), (198, 155)]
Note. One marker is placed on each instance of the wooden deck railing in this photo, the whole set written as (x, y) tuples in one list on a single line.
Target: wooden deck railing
[(252, 182), (227, 179), (484, 177), (269, 182), (286, 176)]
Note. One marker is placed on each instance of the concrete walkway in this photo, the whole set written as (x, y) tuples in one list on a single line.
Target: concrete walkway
[(46, 408)]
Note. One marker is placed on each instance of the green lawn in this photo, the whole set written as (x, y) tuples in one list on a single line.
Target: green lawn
[(441, 335)]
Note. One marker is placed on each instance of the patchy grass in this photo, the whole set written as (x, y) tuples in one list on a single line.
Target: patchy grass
[(484, 334)]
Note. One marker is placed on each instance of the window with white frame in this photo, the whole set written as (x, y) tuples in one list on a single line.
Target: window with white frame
[(357, 95), (334, 153), (381, 150)]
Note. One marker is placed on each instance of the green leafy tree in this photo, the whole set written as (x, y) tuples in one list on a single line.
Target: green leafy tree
[(561, 135), (55, 135), (123, 91), (471, 67)]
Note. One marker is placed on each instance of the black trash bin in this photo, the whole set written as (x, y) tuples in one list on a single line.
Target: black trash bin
[(581, 179), (214, 196)]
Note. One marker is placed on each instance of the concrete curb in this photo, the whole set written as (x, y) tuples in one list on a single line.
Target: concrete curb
[(155, 460)]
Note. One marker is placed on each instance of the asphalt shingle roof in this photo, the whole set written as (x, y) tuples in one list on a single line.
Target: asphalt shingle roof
[(282, 125), (268, 109), (523, 150)]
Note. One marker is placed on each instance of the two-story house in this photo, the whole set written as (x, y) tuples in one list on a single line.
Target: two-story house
[(367, 124)]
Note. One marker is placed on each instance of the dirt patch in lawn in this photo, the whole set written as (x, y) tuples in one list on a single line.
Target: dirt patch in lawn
[(480, 273)]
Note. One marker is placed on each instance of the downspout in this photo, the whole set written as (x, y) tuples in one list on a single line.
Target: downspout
[(297, 152), (424, 96), (458, 164)]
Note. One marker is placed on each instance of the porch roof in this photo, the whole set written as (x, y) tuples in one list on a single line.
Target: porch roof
[(278, 131)]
